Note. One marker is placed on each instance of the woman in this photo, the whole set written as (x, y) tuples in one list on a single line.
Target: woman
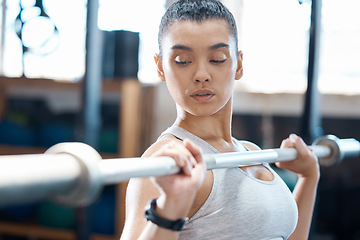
[(200, 62)]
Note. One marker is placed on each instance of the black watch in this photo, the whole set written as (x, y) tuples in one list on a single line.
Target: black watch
[(151, 215)]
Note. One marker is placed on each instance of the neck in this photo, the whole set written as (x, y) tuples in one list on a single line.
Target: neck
[(210, 128)]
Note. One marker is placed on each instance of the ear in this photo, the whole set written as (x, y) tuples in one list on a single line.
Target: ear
[(159, 66), (239, 68)]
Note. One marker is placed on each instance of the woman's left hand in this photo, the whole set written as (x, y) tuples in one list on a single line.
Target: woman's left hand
[(306, 164)]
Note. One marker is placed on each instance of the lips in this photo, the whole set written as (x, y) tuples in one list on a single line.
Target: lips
[(202, 95)]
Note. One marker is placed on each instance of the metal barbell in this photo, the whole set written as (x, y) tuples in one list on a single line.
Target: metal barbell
[(74, 173)]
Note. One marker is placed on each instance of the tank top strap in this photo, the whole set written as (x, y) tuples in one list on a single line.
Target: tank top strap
[(182, 134), (241, 147)]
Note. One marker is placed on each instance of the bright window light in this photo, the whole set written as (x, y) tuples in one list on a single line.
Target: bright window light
[(67, 61), (275, 41), (274, 37)]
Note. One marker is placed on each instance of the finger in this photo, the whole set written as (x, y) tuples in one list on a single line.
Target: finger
[(183, 159), (194, 150), (299, 144), (286, 143), (180, 154), (199, 170), (187, 159)]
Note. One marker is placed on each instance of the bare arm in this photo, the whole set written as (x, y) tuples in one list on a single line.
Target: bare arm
[(176, 193), (307, 168), (304, 194)]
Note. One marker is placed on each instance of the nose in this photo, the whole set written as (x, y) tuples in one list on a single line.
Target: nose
[(205, 80), (201, 74)]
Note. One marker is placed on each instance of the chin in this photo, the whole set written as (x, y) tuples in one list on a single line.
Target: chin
[(204, 112)]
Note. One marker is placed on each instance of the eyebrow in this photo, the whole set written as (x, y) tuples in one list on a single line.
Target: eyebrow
[(213, 47), (181, 47), (219, 45)]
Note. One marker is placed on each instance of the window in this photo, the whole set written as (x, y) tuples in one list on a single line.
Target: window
[(340, 48), (67, 60), (274, 40), (274, 36)]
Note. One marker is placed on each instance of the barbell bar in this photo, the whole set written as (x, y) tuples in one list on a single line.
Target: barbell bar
[(74, 173)]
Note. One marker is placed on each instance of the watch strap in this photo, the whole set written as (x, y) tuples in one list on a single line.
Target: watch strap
[(151, 215)]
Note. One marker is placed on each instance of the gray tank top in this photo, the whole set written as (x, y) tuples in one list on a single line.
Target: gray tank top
[(240, 206)]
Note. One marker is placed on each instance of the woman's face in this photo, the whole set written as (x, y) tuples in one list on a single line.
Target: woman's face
[(199, 65)]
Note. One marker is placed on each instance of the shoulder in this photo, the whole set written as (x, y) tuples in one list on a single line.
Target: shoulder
[(249, 145), (139, 192), (139, 188), (163, 140)]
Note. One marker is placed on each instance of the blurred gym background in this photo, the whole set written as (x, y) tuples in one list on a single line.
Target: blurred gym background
[(83, 71)]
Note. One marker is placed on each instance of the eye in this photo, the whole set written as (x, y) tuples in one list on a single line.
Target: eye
[(182, 60), (217, 61), (218, 57)]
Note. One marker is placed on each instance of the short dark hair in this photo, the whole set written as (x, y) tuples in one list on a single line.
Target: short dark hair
[(197, 11)]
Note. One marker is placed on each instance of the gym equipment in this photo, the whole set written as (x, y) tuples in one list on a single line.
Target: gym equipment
[(74, 173)]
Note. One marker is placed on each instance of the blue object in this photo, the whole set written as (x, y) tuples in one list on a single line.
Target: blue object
[(52, 133), (51, 214), (13, 133), (103, 215), (22, 213)]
